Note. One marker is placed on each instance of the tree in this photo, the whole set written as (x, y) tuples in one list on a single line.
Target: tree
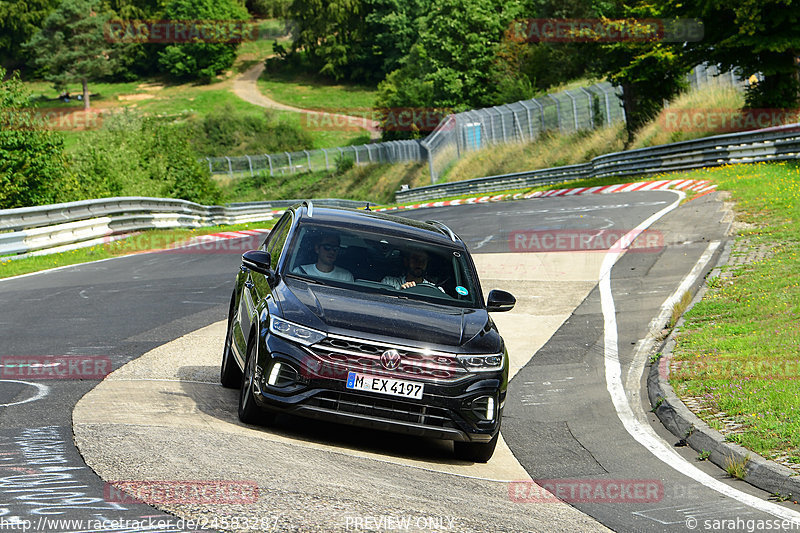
[(201, 59), (452, 65), (33, 170), (649, 71), (19, 21), (362, 40), (524, 63), (331, 32), (71, 46), (751, 36)]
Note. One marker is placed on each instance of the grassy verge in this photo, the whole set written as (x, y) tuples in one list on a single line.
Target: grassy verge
[(710, 98), (550, 150), (144, 241), (737, 351), (376, 183), (306, 92)]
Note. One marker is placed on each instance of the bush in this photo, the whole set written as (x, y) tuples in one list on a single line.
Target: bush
[(200, 60), (33, 169), (226, 132), (136, 156), (343, 164)]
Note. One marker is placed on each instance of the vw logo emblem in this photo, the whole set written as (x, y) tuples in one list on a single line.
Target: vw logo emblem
[(390, 359)]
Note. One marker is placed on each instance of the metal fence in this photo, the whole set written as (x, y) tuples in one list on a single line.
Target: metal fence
[(321, 159), (583, 108), (705, 74), (566, 111)]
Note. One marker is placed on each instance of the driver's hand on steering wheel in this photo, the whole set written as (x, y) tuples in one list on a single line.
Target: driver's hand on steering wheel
[(408, 284)]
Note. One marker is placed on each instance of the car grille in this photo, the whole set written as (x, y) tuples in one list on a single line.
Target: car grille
[(383, 408), (365, 356)]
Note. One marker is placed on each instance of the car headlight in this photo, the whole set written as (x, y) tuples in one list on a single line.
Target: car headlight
[(482, 363), (294, 332)]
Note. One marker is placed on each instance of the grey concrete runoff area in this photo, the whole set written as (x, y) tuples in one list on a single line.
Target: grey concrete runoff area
[(164, 416)]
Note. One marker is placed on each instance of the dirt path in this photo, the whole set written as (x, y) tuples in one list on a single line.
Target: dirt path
[(245, 87)]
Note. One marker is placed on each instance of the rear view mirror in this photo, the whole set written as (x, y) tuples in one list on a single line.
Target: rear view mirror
[(499, 301)]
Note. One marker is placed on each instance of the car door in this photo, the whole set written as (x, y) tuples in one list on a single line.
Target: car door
[(256, 286)]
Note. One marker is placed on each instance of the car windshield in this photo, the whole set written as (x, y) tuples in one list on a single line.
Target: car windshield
[(372, 262)]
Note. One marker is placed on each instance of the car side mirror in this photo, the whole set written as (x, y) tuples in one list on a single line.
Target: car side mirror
[(499, 301), (258, 261)]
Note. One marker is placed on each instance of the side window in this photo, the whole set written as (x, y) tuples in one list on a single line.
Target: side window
[(277, 239)]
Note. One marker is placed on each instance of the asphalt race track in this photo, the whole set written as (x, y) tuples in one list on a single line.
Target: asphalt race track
[(576, 418)]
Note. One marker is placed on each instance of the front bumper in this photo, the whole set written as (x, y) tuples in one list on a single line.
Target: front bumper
[(447, 410)]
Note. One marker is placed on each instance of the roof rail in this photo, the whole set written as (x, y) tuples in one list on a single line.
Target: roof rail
[(310, 207), (444, 229)]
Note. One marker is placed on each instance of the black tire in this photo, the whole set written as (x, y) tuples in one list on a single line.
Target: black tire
[(230, 375), (249, 412), (476, 452)]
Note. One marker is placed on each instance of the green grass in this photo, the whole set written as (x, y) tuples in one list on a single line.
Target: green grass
[(740, 343), (306, 92), (709, 98), (374, 183), (144, 241), (270, 30), (100, 93)]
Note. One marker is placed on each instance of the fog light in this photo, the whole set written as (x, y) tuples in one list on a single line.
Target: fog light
[(273, 376), (483, 408)]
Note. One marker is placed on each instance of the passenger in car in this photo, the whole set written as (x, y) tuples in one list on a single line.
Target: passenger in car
[(415, 263), (327, 250)]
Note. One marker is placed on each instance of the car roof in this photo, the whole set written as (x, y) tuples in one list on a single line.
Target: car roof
[(379, 222)]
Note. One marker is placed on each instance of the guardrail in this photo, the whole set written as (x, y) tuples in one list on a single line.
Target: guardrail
[(770, 144), (60, 227)]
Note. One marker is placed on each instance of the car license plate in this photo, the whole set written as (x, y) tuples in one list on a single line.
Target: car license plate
[(381, 385)]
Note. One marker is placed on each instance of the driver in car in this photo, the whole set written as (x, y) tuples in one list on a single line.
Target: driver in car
[(327, 250), (416, 265)]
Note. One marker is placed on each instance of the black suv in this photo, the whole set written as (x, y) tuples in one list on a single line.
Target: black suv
[(324, 323)]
